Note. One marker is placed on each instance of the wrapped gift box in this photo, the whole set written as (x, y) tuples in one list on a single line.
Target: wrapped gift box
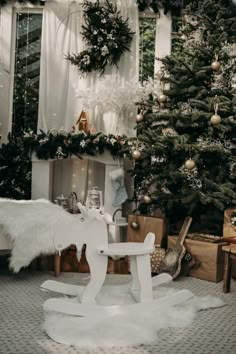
[(159, 226), (229, 231), (209, 255)]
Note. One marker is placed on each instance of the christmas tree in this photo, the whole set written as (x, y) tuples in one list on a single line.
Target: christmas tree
[(15, 169), (187, 129)]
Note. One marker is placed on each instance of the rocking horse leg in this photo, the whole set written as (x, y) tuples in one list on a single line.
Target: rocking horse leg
[(145, 278), (98, 269), (135, 285)]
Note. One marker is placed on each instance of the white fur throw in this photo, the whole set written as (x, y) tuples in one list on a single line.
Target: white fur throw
[(41, 227)]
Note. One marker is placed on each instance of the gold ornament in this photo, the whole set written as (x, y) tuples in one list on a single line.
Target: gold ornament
[(215, 65), (190, 164), (134, 225), (136, 154), (147, 199), (162, 98), (139, 117), (215, 119)]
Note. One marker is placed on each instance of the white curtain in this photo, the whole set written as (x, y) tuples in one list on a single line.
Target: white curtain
[(59, 107)]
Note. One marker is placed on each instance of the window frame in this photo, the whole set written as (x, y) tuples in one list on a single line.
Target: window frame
[(29, 9)]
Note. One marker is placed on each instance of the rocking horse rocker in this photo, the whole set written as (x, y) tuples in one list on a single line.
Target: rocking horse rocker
[(37, 227)]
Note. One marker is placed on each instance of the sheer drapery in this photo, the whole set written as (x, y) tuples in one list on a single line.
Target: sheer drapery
[(59, 107)]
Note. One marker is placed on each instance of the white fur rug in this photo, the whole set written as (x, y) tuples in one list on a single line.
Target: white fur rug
[(126, 324)]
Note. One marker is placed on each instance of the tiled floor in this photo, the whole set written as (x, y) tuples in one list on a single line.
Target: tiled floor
[(21, 317)]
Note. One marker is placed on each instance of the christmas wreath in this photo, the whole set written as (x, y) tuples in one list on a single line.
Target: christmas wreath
[(107, 37)]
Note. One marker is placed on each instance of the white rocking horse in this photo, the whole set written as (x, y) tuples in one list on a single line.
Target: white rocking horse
[(41, 227), (37, 227)]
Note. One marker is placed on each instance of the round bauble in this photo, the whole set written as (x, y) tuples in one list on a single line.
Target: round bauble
[(215, 65), (136, 154), (139, 117), (189, 164), (215, 119), (147, 199), (134, 225), (161, 98)]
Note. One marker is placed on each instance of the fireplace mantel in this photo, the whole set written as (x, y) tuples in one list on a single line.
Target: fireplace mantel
[(42, 177)]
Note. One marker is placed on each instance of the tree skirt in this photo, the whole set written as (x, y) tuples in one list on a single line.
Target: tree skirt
[(118, 320)]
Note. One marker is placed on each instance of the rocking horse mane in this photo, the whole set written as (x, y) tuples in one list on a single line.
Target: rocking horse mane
[(37, 227)]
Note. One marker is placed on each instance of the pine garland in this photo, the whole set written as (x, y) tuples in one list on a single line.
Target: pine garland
[(60, 144), (107, 37)]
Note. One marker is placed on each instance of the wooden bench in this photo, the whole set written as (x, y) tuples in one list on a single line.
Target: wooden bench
[(230, 254)]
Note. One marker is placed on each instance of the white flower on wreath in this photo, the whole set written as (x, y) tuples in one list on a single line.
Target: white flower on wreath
[(43, 141), (82, 143), (104, 50), (112, 141), (86, 59)]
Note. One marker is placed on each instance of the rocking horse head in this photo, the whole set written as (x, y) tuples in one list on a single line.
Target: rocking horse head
[(88, 228), (41, 227)]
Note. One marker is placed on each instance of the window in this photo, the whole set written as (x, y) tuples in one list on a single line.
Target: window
[(147, 30), (27, 71)]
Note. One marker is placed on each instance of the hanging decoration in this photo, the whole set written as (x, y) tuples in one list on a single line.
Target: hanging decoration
[(107, 36), (147, 199), (189, 164), (161, 98), (140, 117), (136, 153), (215, 65), (215, 118)]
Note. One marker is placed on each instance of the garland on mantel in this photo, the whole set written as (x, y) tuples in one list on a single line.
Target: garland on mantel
[(60, 144)]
